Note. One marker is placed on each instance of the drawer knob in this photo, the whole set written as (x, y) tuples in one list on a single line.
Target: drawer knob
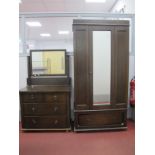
[(33, 109), (55, 109), (55, 97), (122, 123), (32, 96), (34, 121), (56, 122)]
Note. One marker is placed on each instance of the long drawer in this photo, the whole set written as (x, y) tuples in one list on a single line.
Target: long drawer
[(100, 119), (43, 97), (44, 109), (45, 122)]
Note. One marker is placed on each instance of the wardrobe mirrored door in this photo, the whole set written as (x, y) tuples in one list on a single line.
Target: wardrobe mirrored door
[(101, 67)]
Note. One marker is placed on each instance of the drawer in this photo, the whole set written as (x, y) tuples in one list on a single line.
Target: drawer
[(44, 98), (101, 119), (45, 122), (44, 109), (55, 97), (31, 97)]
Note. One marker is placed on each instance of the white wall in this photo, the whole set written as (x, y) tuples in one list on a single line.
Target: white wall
[(130, 6), (124, 6), (22, 72), (60, 44), (131, 66)]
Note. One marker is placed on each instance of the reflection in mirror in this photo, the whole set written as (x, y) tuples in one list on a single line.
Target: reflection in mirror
[(48, 62), (101, 67)]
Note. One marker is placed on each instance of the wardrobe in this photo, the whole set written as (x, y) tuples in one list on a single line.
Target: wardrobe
[(101, 66)]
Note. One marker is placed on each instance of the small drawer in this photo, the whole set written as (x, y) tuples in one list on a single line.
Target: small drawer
[(44, 109), (31, 97), (45, 122), (55, 98)]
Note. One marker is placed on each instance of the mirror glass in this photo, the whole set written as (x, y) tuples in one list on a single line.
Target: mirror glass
[(101, 67), (48, 62)]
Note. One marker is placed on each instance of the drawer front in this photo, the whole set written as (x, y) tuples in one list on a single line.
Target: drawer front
[(44, 97), (44, 109), (55, 98), (31, 97), (101, 119), (45, 122)]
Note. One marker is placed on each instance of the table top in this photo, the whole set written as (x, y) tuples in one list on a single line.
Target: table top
[(46, 88)]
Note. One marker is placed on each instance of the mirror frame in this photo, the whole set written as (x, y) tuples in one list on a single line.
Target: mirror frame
[(48, 50), (113, 74)]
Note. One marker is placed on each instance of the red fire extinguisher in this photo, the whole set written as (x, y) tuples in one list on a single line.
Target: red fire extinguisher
[(132, 92)]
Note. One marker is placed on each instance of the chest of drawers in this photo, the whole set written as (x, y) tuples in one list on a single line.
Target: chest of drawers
[(45, 107)]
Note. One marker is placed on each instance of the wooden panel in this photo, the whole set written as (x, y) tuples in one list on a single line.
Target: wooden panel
[(122, 61), (81, 69), (101, 119), (45, 122), (44, 109)]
